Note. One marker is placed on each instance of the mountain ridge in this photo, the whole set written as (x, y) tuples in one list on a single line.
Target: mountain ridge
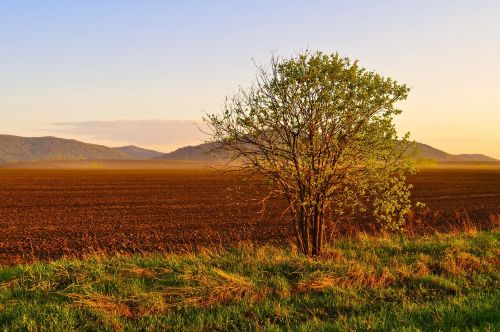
[(426, 152), (18, 149)]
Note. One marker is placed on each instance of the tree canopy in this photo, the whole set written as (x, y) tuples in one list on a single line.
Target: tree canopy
[(320, 127)]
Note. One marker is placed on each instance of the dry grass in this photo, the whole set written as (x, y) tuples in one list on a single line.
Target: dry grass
[(206, 289), (460, 263)]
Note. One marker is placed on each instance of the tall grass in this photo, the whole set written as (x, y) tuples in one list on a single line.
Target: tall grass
[(429, 283)]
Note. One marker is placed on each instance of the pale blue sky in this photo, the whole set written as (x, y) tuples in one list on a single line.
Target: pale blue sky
[(124, 72)]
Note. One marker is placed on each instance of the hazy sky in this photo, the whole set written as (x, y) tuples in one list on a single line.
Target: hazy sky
[(141, 72)]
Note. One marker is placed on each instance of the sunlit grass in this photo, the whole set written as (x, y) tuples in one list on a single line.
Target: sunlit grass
[(430, 283)]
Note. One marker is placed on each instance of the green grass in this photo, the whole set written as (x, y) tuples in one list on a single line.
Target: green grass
[(444, 282)]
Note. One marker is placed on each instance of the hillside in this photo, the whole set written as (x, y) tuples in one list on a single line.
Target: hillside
[(15, 148), (192, 153), (428, 152), (202, 153), (138, 153)]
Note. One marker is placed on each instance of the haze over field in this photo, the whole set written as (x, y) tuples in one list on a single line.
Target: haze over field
[(123, 73)]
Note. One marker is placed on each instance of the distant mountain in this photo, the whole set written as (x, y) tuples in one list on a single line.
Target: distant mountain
[(15, 148), (202, 153), (192, 153), (428, 152), (138, 153)]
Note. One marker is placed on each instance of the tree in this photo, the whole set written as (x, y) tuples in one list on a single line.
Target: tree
[(321, 128)]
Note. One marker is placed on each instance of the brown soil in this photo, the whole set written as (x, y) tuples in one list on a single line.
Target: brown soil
[(47, 214)]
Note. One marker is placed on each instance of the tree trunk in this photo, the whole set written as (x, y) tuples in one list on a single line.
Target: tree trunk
[(302, 230), (309, 231), (318, 232)]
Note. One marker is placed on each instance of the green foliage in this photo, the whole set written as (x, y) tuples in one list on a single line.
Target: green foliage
[(445, 282), (321, 128), (392, 203)]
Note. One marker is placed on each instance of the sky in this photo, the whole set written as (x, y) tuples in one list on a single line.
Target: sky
[(120, 72)]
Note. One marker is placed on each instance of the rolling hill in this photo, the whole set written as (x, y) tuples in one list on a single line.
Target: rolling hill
[(15, 148), (202, 153), (192, 153), (428, 152)]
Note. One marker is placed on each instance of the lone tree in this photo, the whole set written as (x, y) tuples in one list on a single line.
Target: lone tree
[(320, 127)]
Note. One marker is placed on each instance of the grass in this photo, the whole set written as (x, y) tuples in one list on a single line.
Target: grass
[(440, 282)]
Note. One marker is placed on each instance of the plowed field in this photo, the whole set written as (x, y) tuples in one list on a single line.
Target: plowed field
[(50, 213)]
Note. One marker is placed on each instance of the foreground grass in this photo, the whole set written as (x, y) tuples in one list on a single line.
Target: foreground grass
[(436, 283)]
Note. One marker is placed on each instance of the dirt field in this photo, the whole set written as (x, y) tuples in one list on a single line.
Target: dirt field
[(50, 213)]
